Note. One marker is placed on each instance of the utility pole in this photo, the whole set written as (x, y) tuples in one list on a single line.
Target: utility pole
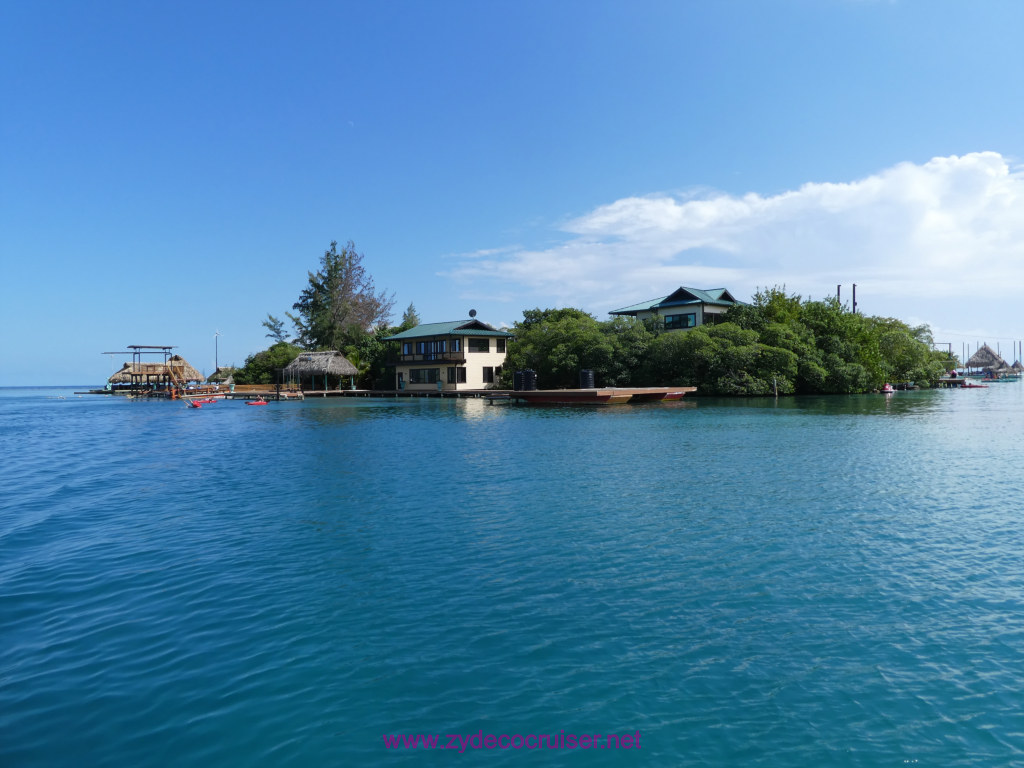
[(216, 339), (855, 298), (838, 296)]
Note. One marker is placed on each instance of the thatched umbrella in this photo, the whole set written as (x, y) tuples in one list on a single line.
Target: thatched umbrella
[(986, 357), (309, 365), (1017, 366)]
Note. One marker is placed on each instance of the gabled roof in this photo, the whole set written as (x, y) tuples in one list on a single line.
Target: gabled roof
[(682, 296), (471, 327)]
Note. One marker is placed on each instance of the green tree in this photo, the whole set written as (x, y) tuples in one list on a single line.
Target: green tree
[(260, 368), (276, 328), (340, 302), (781, 343), (558, 344), (369, 353), (630, 340), (410, 319)]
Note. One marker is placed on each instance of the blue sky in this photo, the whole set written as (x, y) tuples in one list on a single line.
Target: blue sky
[(169, 170)]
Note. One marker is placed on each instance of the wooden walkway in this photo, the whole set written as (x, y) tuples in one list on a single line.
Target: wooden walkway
[(602, 396), (597, 396)]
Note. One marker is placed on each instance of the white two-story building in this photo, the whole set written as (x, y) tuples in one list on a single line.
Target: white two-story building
[(457, 355)]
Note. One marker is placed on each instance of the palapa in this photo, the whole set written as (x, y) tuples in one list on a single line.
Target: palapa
[(142, 372), (222, 376), (986, 357), (309, 365), (320, 363)]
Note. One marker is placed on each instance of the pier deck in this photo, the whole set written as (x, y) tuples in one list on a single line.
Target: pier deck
[(602, 396)]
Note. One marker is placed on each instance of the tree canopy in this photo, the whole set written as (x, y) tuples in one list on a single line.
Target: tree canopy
[(559, 343), (259, 368), (777, 343), (340, 302)]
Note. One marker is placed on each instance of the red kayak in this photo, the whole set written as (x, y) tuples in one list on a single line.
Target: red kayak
[(257, 402)]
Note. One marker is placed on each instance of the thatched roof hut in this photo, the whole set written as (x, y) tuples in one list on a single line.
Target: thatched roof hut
[(329, 367), (144, 373), (986, 357), (222, 376), (1017, 366)]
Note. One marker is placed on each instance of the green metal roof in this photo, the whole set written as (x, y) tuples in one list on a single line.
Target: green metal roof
[(682, 296), (471, 327)]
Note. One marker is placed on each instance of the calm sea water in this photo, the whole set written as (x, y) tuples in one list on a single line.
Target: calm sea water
[(820, 581)]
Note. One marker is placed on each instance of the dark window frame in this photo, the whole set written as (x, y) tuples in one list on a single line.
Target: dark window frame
[(679, 322)]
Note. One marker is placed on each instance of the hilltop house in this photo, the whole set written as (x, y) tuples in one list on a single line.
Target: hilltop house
[(684, 308), (457, 355)]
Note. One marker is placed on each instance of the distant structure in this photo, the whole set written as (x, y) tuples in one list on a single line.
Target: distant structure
[(168, 378), (684, 308)]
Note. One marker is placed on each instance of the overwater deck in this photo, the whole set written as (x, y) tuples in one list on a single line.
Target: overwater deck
[(600, 396), (597, 396)]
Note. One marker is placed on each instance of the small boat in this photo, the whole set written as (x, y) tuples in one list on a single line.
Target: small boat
[(194, 404), (261, 401), (888, 389), (970, 385)]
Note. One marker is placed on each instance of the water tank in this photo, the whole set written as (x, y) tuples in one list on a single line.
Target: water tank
[(586, 379), (517, 381), (529, 380)]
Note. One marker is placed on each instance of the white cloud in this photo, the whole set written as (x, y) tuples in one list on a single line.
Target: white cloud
[(915, 237)]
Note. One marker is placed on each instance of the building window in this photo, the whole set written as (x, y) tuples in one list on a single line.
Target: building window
[(424, 375), (406, 347), (460, 375), (501, 345), (456, 345), (488, 375), (675, 322), (451, 375), (479, 345)]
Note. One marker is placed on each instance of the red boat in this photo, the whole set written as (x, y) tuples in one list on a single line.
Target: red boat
[(257, 402)]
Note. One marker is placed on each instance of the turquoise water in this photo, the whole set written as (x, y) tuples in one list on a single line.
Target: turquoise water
[(819, 581)]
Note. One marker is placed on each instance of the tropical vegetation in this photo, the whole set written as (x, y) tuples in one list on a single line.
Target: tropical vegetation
[(339, 309), (778, 343)]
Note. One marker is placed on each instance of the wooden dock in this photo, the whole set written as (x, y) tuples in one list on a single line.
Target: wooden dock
[(601, 396)]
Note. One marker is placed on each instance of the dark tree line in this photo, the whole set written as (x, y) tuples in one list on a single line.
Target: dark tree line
[(777, 343)]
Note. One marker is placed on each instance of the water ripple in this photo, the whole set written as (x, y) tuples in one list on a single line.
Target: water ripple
[(808, 581)]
